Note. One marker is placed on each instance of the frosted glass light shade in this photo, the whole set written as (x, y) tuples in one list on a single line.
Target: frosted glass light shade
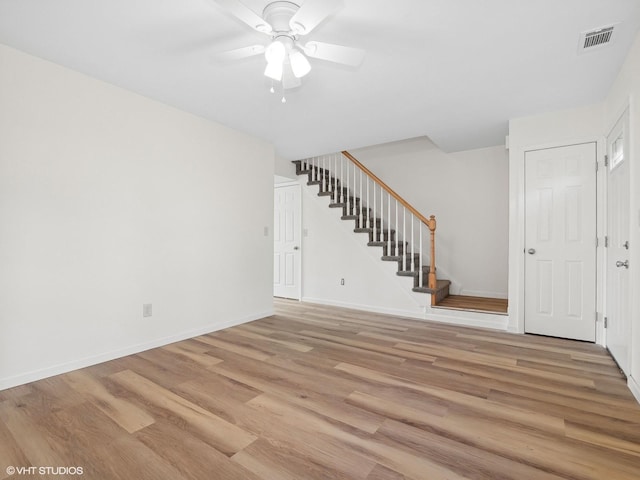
[(275, 52), (299, 64), (274, 71)]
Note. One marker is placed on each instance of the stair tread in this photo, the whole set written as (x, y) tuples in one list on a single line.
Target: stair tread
[(440, 285), (399, 258), (383, 243)]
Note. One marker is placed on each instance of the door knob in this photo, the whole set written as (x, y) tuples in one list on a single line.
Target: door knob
[(531, 251), (624, 264), (296, 248)]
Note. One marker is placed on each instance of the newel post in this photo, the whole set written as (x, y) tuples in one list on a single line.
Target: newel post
[(432, 268)]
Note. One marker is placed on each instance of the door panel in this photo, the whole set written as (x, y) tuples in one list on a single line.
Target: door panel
[(560, 235), (617, 289), (286, 242)]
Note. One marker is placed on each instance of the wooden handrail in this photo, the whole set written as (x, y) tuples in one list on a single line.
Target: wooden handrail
[(430, 223), (389, 190)]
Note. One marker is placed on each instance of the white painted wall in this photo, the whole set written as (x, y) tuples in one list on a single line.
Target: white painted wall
[(109, 200), (468, 193), (626, 92), (284, 168), (530, 133)]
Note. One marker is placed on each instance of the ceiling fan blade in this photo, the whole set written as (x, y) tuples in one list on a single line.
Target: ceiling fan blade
[(248, 16), (311, 13), (335, 53), (238, 53), (289, 80)]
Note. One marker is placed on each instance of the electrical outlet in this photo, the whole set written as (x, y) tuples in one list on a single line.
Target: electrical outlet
[(342, 281), (147, 309)]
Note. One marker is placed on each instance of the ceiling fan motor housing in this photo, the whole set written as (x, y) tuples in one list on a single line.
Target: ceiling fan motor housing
[(279, 14)]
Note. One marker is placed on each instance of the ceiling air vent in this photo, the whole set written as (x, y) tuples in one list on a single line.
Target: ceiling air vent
[(592, 39)]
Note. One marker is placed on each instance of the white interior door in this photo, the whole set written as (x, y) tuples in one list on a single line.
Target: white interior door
[(617, 289), (560, 242), (286, 242)]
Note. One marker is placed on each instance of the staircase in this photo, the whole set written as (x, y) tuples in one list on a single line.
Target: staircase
[(405, 236)]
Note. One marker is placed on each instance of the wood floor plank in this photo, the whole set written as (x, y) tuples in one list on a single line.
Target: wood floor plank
[(35, 443), (320, 392), (397, 459), (300, 391), (380, 472), (298, 347), (479, 405), (10, 453), (124, 413), (241, 349), (224, 436), (192, 457)]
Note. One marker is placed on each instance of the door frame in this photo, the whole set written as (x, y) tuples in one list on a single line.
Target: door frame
[(293, 183), (517, 194)]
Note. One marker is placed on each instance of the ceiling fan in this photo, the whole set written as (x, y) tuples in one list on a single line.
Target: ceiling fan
[(286, 23)]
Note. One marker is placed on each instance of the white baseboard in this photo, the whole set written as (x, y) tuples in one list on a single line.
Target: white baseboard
[(417, 314), (634, 387), (455, 317), (34, 375)]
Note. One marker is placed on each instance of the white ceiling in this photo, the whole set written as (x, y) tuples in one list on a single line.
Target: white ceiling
[(453, 70)]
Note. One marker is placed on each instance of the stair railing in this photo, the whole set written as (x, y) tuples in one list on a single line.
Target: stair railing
[(377, 208)]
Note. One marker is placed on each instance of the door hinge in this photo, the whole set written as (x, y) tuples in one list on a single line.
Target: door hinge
[(606, 241), (606, 160), (606, 322)]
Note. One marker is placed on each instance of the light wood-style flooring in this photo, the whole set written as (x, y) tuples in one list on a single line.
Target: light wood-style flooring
[(327, 393), (478, 304)]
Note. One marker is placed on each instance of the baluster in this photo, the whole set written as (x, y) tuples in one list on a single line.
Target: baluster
[(360, 213), (388, 224), (375, 221), (341, 180), (420, 262), (335, 179), (397, 249), (413, 265), (347, 199), (404, 237), (368, 203)]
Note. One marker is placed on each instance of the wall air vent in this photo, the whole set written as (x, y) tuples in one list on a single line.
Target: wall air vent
[(593, 39)]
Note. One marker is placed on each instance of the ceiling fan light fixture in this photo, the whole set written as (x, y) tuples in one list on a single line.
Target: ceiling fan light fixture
[(275, 52), (299, 64), (274, 71)]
